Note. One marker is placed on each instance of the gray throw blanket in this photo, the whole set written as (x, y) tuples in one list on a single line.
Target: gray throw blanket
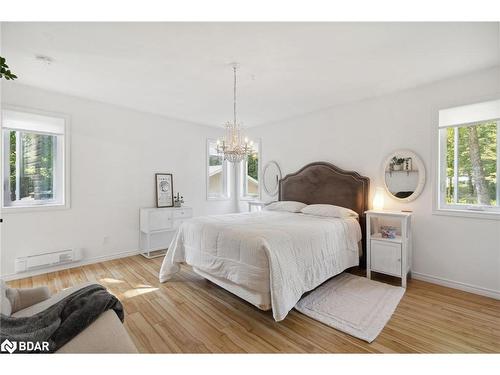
[(62, 321)]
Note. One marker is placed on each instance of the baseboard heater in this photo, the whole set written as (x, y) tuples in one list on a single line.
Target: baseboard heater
[(55, 258)]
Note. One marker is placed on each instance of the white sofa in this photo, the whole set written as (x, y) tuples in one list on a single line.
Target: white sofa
[(105, 335)]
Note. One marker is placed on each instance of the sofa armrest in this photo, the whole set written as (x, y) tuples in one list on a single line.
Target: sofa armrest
[(23, 298), (106, 334)]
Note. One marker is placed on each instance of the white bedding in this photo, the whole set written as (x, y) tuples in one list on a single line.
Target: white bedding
[(285, 253)]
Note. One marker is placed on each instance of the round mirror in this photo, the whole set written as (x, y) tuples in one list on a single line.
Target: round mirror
[(404, 175), (271, 176)]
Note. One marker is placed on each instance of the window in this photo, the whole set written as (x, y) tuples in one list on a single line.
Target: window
[(469, 158), (217, 173), (250, 175), (33, 160)]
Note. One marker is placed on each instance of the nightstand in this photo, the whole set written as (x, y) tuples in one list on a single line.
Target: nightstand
[(390, 256)]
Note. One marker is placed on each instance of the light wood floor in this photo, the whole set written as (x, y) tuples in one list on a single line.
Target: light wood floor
[(191, 315)]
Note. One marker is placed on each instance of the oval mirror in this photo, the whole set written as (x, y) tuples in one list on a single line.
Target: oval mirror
[(271, 176), (404, 175)]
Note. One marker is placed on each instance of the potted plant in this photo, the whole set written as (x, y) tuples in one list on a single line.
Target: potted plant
[(5, 71), (397, 163)]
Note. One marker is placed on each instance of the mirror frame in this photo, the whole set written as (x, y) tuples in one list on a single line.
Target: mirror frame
[(266, 189), (421, 174)]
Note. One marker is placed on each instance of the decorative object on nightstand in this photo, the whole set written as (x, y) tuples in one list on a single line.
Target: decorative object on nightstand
[(158, 227), (257, 204), (388, 231), (388, 255), (378, 199)]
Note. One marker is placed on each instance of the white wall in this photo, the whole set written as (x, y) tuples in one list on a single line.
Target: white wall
[(359, 137), (114, 155)]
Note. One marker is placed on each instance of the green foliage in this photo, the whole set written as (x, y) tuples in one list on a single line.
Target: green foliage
[(214, 160), (5, 71), (253, 166), (12, 164), (487, 136), (36, 165)]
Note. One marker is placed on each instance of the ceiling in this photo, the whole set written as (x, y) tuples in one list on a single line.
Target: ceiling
[(182, 70)]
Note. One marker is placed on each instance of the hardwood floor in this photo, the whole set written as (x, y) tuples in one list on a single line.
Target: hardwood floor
[(191, 315)]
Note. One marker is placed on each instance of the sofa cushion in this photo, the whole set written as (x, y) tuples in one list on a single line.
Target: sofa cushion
[(5, 305)]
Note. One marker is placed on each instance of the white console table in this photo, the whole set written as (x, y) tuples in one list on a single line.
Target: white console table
[(158, 227), (257, 204)]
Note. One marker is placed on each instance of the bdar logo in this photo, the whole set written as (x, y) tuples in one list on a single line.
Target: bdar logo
[(8, 346)]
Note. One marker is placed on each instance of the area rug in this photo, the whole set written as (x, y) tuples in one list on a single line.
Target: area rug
[(353, 304)]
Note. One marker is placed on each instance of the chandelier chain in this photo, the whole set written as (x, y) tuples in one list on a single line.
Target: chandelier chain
[(234, 96), (233, 147)]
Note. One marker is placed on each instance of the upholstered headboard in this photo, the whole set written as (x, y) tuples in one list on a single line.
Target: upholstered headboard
[(324, 183)]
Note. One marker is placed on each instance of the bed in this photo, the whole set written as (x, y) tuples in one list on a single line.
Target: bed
[(270, 258)]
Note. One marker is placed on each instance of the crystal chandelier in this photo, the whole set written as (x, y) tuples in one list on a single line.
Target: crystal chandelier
[(232, 146)]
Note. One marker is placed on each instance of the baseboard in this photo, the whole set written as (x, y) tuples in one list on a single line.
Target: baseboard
[(416, 275), (457, 285), (83, 262)]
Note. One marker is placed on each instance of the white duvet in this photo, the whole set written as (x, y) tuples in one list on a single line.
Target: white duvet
[(296, 251)]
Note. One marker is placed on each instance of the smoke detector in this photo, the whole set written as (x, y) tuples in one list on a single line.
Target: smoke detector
[(44, 59)]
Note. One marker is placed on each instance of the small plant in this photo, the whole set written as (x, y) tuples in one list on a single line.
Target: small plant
[(5, 71), (178, 200), (397, 161)]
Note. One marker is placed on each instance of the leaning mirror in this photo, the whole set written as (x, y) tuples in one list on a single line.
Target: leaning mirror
[(404, 175), (271, 176)]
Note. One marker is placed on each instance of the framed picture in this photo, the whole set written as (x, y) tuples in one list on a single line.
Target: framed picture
[(164, 190)]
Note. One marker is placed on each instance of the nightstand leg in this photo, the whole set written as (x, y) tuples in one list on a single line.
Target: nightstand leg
[(368, 273), (403, 281)]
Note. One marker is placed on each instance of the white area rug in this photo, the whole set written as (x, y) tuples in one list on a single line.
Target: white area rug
[(353, 304)]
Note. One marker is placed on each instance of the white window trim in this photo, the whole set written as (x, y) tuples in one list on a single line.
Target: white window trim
[(39, 207), (241, 179), (436, 153), (225, 173)]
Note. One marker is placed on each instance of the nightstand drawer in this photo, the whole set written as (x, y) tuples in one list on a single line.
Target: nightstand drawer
[(386, 257)]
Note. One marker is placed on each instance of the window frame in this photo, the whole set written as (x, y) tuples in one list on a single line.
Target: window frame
[(242, 169), (440, 207), (225, 175), (64, 142)]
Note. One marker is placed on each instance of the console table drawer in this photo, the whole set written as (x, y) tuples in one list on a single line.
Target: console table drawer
[(182, 213), (385, 257), (159, 220)]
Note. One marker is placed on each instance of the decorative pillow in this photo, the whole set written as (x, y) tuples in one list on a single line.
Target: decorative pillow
[(290, 206), (328, 210), (5, 306)]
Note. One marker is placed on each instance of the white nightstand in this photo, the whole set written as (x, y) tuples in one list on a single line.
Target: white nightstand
[(386, 255)]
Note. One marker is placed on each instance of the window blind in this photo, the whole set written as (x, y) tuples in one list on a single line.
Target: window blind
[(31, 122), (469, 114)]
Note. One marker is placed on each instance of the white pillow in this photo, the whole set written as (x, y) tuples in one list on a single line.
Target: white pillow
[(290, 206), (328, 210)]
